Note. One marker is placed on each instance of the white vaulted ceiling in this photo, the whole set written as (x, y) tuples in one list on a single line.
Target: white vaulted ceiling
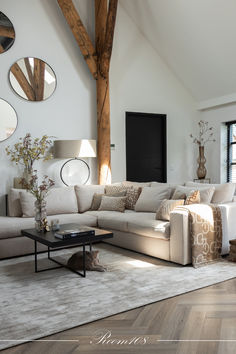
[(196, 38)]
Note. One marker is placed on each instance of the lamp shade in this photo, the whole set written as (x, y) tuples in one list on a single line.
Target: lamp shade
[(74, 148)]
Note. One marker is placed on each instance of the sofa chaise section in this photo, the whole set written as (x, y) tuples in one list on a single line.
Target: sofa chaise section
[(13, 244)]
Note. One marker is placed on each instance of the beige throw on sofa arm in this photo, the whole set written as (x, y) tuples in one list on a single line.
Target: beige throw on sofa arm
[(205, 225)]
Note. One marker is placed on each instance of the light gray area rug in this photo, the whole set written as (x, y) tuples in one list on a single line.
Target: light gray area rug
[(36, 305)]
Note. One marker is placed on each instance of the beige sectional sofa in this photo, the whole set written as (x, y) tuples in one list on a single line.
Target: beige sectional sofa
[(135, 230)]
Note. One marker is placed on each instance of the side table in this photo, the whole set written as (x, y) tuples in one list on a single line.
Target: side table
[(205, 180), (232, 251)]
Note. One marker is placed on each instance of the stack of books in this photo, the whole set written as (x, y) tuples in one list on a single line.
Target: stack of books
[(67, 234)]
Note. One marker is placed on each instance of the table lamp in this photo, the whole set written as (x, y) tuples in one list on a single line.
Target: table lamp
[(75, 170)]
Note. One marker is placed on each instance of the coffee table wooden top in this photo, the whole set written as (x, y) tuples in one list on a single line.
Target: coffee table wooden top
[(49, 239)]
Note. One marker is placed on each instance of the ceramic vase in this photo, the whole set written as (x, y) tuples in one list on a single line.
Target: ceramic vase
[(40, 215), (201, 171)]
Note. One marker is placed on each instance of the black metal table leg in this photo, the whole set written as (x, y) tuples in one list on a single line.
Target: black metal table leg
[(84, 260), (60, 265), (35, 257)]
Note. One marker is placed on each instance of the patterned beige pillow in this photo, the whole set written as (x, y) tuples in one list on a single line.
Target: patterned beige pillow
[(132, 196), (113, 203), (206, 193), (111, 189), (97, 198), (193, 198), (163, 213)]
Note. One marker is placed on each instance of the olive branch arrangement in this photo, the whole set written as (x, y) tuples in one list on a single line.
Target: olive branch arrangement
[(28, 150), (205, 134), (38, 191)]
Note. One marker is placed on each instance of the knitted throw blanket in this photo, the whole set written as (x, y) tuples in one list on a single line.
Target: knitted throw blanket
[(206, 233)]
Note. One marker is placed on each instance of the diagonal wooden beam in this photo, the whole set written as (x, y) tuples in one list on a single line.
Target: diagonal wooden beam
[(100, 25), (39, 74), (108, 42), (7, 31), (23, 82), (74, 21), (29, 72)]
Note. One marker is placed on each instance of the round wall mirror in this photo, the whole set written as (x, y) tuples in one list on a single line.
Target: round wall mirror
[(8, 120), (7, 33), (32, 79)]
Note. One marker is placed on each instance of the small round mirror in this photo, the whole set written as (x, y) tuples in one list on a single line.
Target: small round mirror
[(7, 33), (32, 79), (8, 120)]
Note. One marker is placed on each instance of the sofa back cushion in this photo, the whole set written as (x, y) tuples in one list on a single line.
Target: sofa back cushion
[(161, 184), (60, 200), (14, 205), (206, 193), (223, 192), (150, 198), (135, 184), (85, 195)]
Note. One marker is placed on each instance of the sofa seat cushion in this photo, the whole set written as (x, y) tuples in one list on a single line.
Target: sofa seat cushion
[(113, 220), (150, 228), (12, 226)]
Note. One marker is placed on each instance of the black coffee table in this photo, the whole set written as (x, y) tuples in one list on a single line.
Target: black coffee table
[(49, 239)]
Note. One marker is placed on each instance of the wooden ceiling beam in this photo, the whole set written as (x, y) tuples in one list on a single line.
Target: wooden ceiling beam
[(23, 82), (29, 72), (7, 31), (98, 63), (39, 75), (74, 21), (108, 43)]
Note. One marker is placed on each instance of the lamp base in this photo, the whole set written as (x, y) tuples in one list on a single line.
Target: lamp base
[(75, 171)]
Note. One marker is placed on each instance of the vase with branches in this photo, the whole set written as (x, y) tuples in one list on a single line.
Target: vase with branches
[(28, 150), (39, 191), (205, 136)]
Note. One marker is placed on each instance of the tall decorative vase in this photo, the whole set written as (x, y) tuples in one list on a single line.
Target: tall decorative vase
[(40, 215), (201, 171), (27, 174)]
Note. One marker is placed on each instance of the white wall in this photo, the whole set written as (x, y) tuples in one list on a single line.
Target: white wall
[(70, 113), (216, 152), (140, 81)]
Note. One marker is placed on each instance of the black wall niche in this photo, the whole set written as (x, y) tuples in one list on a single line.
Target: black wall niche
[(146, 147)]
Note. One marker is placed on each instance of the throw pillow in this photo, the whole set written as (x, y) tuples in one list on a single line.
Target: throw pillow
[(132, 196), (111, 189), (163, 213), (97, 198), (150, 198), (14, 205), (193, 198), (223, 193), (113, 203), (85, 194), (206, 193)]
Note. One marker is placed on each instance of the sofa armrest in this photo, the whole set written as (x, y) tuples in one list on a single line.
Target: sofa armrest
[(180, 242), (228, 214)]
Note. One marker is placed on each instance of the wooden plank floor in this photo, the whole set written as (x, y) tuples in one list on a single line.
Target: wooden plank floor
[(187, 324)]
